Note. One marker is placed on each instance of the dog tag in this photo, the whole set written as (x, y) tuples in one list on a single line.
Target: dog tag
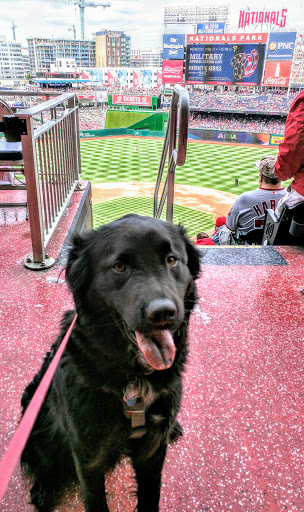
[(130, 395), (131, 401)]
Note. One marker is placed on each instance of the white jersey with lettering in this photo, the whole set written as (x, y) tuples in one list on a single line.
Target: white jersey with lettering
[(248, 212)]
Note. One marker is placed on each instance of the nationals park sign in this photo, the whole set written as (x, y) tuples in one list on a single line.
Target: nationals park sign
[(121, 99), (226, 38)]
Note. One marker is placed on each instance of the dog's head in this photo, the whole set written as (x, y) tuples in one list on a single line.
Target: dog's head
[(140, 272)]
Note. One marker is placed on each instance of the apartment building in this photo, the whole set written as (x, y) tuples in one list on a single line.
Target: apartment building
[(113, 49)]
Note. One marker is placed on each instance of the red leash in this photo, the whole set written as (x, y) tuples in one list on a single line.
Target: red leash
[(18, 442)]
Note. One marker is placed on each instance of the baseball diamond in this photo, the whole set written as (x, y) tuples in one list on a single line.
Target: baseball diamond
[(123, 172)]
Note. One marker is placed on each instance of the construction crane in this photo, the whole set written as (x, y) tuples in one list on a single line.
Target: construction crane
[(14, 31), (82, 4)]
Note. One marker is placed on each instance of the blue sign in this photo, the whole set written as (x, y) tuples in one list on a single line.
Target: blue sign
[(173, 46), (281, 45), (224, 64), (210, 28)]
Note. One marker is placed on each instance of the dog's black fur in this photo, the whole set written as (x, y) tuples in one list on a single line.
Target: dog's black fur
[(134, 275)]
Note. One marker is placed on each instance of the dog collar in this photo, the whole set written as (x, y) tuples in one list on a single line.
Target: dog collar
[(134, 409)]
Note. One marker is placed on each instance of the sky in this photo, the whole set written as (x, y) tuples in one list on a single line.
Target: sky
[(141, 19)]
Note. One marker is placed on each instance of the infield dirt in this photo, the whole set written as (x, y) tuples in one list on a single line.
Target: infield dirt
[(204, 199)]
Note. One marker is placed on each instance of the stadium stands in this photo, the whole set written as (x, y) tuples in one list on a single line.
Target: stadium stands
[(240, 102), (250, 110), (238, 122)]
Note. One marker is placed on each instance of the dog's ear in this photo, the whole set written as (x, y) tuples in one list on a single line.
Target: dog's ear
[(78, 265), (193, 254)]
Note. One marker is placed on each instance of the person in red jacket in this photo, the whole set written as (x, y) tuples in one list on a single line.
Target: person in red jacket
[(290, 159), (203, 239)]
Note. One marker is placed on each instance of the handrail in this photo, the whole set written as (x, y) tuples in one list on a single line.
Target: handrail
[(51, 162), (177, 157)]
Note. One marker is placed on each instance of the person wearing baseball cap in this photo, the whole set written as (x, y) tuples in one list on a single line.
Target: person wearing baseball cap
[(248, 212), (219, 224)]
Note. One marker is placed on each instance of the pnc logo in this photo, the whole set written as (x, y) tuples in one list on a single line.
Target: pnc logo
[(272, 46)]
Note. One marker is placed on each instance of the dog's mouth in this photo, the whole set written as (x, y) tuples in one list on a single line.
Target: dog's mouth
[(158, 349)]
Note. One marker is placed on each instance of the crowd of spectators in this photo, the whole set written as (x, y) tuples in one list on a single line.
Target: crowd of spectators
[(210, 109), (240, 102), (241, 123), (92, 118)]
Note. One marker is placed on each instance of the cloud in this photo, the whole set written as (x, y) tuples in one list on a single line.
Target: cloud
[(141, 19)]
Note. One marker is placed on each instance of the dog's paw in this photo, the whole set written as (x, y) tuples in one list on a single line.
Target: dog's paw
[(42, 498)]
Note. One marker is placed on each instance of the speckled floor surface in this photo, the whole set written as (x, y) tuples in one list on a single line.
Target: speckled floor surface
[(242, 413)]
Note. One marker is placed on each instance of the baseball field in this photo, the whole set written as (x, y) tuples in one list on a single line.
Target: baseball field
[(123, 172)]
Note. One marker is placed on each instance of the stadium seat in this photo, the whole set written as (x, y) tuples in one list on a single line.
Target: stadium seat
[(288, 229), (11, 158), (253, 237)]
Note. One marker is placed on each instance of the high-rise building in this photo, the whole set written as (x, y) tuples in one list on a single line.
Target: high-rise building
[(146, 58), (113, 49), (11, 61), (43, 52)]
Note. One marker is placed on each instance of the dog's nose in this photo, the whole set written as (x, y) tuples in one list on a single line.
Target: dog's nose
[(162, 311)]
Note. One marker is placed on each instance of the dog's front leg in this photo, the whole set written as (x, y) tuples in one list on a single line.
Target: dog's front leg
[(92, 486), (148, 474)]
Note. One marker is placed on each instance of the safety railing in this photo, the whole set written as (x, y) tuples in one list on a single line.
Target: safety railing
[(176, 157), (51, 157)]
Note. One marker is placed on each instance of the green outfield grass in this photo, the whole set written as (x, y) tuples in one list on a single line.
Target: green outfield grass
[(194, 220), (126, 159), (207, 165)]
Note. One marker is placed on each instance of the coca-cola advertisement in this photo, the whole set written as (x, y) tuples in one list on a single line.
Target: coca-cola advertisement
[(277, 73), (173, 71)]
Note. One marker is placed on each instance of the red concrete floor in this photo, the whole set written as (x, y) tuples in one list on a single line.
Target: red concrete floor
[(242, 411)]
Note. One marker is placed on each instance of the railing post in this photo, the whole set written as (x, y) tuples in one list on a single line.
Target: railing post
[(39, 260), (177, 157)]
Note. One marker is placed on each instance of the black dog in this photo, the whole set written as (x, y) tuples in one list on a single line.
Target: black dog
[(118, 386)]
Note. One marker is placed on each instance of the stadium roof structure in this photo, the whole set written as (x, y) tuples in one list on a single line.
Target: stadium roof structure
[(59, 81), (196, 14)]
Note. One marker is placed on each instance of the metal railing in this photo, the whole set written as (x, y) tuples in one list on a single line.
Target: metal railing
[(176, 157), (51, 158)]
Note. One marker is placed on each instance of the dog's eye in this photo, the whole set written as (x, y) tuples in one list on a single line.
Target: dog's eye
[(171, 260), (119, 267)]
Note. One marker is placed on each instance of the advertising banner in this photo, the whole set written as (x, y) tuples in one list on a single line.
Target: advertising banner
[(123, 77), (281, 45), (142, 78), (225, 64), (173, 46), (135, 80), (277, 73), (210, 28), (122, 99), (229, 136), (112, 78), (159, 79), (95, 75), (226, 38), (275, 140), (173, 71)]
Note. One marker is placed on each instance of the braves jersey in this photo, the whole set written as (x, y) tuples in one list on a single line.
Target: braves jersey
[(248, 212)]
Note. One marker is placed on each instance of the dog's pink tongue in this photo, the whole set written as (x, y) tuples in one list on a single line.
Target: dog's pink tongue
[(159, 350)]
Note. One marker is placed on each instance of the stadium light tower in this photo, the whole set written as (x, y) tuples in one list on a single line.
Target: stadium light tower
[(82, 4)]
